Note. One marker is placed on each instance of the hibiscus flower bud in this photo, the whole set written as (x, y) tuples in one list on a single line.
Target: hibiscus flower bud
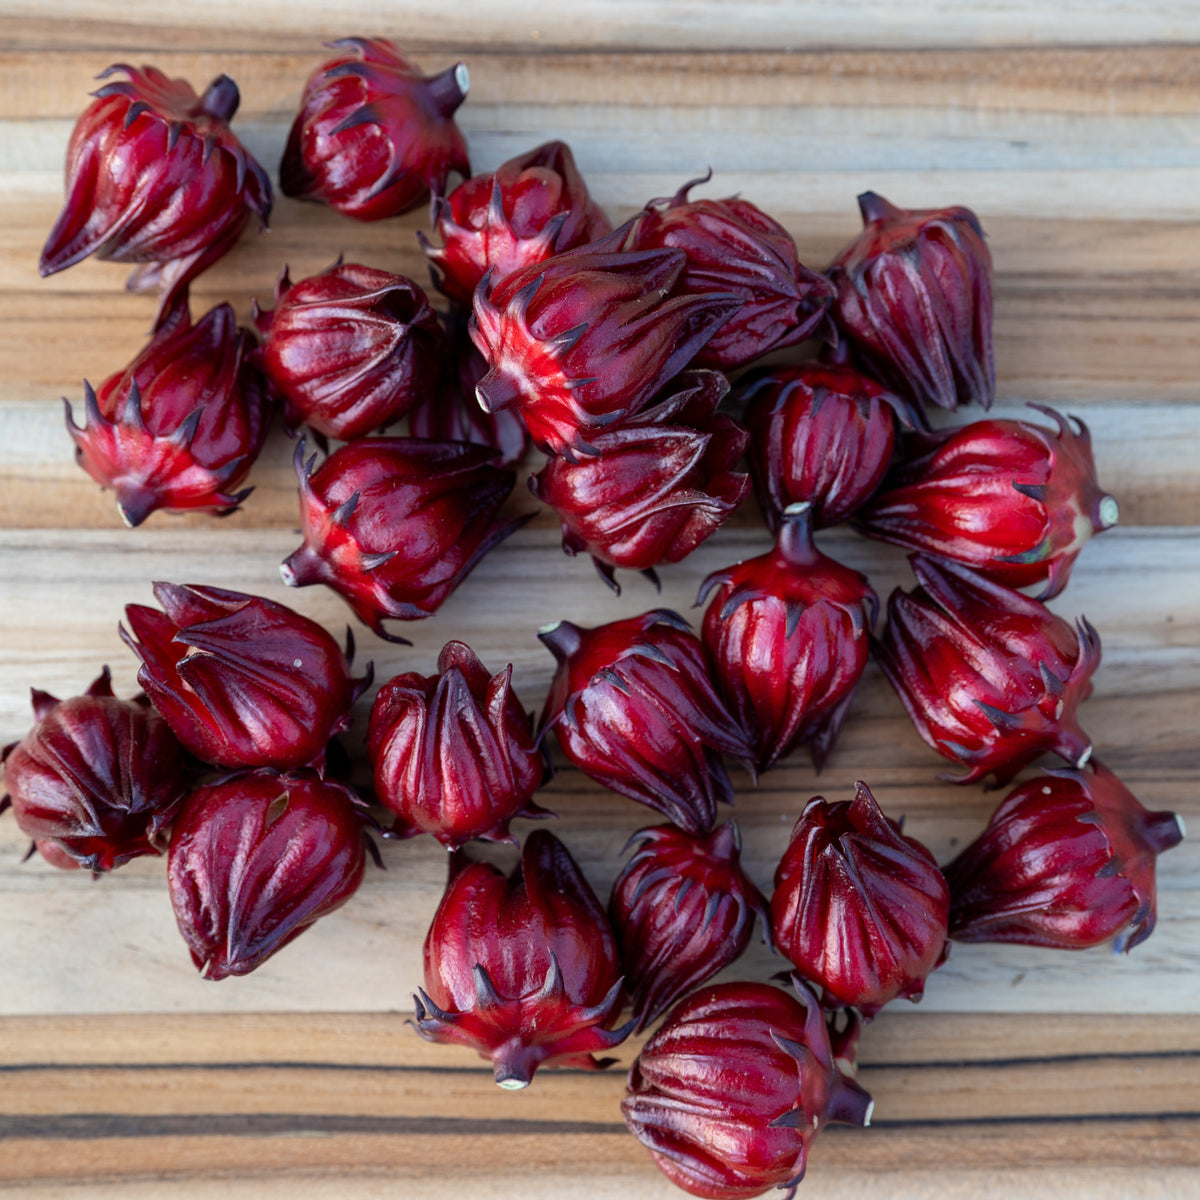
[(156, 177), (588, 337), (1067, 860), (256, 859), (454, 753), (731, 1090), (241, 680), (858, 907), (97, 780), (683, 909), (350, 350), (789, 635), (732, 246), (914, 298), (394, 525), (820, 432), (522, 969), (181, 426), (374, 136), (990, 677), (634, 707), (1011, 499), (533, 206), (660, 483)]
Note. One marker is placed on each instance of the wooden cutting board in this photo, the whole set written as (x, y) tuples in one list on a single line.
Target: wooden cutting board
[(1074, 132)]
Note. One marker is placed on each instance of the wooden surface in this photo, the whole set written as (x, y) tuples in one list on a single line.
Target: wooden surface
[(1074, 131)]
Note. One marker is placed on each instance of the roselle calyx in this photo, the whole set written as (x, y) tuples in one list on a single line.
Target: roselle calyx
[(257, 858), (914, 299), (660, 483), (789, 637), (859, 908), (530, 208), (350, 350), (634, 707), (682, 909), (1011, 499), (374, 136), (181, 426), (450, 412), (522, 969), (156, 177), (588, 337), (97, 780), (731, 1090), (242, 681), (394, 525), (990, 677), (1067, 860), (454, 753), (732, 246), (821, 432)]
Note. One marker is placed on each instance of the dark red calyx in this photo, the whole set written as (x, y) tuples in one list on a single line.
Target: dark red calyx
[(858, 908), (454, 753), (257, 858), (990, 677), (374, 137), (523, 968), (242, 681), (634, 706), (789, 636), (683, 909)]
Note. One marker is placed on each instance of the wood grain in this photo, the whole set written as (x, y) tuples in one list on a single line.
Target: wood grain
[(1073, 130)]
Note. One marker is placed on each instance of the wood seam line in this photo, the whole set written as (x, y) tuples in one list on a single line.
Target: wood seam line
[(957, 1064), (112, 1126)]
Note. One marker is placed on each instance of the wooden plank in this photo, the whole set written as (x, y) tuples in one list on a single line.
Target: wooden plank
[(1144, 456), (1023, 1073), (1107, 81), (1043, 1090), (1139, 587), (633, 25)]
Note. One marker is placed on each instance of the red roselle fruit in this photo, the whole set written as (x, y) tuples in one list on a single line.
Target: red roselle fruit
[(350, 350), (1067, 861), (451, 412), (394, 525), (661, 482), (97, 780), (586, 338), (634, 707), (256, 859), (731, 1090), (990, 677), (789, 634), (859, 908), (242, 681), (683, 909), (181, 426), (1011, 499), (914, 298), (734, 247), (156, 177), (533, 206), (454, 753), (524, 970), (374, 136), (820, 432)]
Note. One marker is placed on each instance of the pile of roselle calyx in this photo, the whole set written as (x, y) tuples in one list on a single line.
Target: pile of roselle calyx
[(611, 350)]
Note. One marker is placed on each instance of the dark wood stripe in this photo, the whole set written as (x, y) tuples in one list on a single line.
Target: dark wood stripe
[(874, 1067), (91, 1126), (107, 1126)]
